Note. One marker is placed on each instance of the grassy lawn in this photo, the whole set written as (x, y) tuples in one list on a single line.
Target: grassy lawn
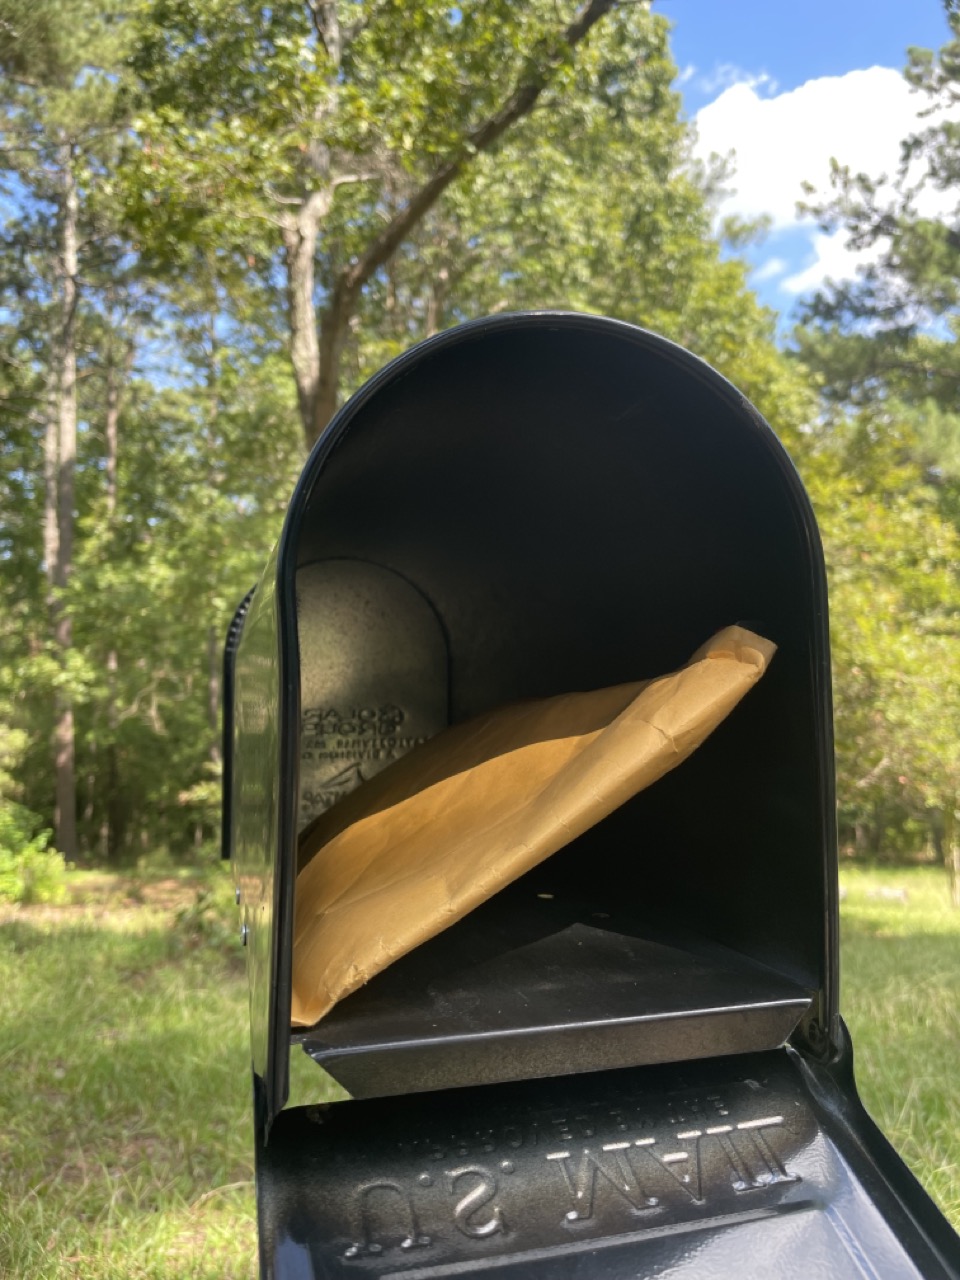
[(901, 1000), (126, 1140), (126, 1145)]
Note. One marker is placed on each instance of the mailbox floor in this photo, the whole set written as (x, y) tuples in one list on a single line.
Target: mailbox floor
[(522, 989)]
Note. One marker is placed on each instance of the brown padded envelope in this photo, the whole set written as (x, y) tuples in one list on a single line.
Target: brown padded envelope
[(440, 831)]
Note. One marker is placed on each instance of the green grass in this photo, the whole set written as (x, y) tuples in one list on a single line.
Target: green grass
[(126, 1143), (901, 999), (126, 1140)]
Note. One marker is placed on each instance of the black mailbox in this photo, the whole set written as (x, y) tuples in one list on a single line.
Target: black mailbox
[(630, 1062)]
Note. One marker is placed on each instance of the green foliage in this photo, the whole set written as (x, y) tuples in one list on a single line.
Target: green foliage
[(892, 556), (48, 43), (30, 871), (884, 349), (208, 921), (197, 132), (589, 202), (242, 109)]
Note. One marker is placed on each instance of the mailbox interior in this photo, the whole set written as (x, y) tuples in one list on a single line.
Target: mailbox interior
[(535, 505)]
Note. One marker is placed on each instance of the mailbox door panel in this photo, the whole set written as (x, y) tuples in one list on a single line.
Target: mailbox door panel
[(757, 1166), (261, 810)]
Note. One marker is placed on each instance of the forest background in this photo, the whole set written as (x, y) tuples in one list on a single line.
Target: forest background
[(218, 219)]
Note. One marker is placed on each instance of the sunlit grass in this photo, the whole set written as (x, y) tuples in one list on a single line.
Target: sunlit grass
[(126, 1142), (901, 1000)]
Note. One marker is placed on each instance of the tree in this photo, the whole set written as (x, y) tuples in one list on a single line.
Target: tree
[(891, 333), (885, 349), (895, 600), (56, 126), (323, 135), (189, 428)]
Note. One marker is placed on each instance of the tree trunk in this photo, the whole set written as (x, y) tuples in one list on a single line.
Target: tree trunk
[(50, 468), (91, 787), (432, 320), (64, 756), (111, 833), (213, 691), (300, 232), (951, 850), (436, 300), (334, 327), (116, 376), (118, 811)]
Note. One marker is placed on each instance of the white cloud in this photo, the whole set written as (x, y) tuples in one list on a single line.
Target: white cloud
[(771, 268), (784, 140), (832, 261), (726, 75)]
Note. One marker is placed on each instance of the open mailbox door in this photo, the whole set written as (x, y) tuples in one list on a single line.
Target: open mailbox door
[(628, 1062)]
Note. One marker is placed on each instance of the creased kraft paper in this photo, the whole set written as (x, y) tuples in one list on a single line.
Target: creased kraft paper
[(440, 831)]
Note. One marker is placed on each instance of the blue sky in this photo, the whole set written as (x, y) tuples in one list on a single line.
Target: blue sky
[(785, 86)]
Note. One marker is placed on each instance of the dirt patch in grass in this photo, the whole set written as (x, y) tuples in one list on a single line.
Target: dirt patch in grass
[(165, 893), (110, 900)]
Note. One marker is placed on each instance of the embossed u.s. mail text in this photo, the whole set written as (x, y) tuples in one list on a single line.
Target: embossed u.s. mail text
[(566, 1180)]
